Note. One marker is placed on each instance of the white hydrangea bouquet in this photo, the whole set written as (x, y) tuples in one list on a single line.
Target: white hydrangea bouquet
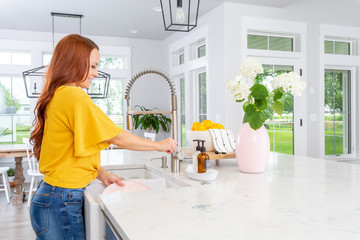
[(257, 97)]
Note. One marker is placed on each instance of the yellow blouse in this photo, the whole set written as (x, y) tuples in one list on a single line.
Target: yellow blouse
[(74, 134)]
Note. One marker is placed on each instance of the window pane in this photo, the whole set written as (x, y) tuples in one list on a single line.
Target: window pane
[(5, 57), (23, 124), (342, 48), (280, 128), (337, 112), (113, 104), (21, 58), (7, 122), (329, 47), (257, 42), (46, 58), (112, 63), (202, 96), (181, 59), (281, 44), (19, 100), (6, 103), (284, 136), (201, 51)]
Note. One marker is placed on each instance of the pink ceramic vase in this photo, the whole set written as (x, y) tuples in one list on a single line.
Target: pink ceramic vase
[(252, 149)]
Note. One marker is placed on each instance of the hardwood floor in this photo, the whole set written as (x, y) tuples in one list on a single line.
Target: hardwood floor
[(14, 221)]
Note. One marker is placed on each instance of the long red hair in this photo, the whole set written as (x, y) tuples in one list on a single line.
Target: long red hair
[(70, 63)]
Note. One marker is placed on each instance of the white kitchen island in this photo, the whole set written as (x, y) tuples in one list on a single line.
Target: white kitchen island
[(296, 198)]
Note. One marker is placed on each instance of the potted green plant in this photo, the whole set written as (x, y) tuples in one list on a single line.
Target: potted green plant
[(151, 122), (11, 175)]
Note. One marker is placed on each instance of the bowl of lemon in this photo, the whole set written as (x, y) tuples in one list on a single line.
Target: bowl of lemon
[(199, 130)]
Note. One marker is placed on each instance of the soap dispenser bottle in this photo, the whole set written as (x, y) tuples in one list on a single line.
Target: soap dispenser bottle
[(195, 154), (202, 159)]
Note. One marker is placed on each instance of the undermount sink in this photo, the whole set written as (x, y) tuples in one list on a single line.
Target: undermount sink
[(145, 174)]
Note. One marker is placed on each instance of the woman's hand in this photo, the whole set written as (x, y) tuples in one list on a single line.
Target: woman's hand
[(168, 145), (108, 178)]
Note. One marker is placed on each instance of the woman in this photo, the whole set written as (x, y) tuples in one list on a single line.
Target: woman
[(69, 133)]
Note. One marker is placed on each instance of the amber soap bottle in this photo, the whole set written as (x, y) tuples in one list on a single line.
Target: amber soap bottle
[(202, 159)]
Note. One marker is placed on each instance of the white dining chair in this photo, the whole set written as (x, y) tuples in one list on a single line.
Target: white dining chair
[(33, 170), (5, 180)]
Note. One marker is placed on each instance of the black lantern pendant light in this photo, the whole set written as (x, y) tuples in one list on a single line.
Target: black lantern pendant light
[(34, 78), (179, 15)]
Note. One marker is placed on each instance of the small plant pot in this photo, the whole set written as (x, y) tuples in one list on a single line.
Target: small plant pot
[(11, 181)]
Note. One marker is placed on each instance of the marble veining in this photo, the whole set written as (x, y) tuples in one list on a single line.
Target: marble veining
[(296, 198)]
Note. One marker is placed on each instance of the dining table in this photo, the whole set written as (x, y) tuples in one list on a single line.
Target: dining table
[(16, 151)]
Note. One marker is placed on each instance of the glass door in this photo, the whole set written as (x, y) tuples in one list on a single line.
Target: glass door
[(337, 115), (285, 132), (280, 128)]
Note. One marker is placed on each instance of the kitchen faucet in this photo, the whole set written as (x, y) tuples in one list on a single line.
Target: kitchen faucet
[(175, 161)]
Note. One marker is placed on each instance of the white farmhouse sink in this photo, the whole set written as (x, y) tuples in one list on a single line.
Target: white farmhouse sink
[(150, 176)]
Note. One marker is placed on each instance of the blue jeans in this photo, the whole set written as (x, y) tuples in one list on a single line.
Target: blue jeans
[(57, 213)]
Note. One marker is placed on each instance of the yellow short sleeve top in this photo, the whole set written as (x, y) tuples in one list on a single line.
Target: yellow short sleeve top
[(74, 134)]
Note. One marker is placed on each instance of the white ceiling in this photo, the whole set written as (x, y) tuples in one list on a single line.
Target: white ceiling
[(104, 18)]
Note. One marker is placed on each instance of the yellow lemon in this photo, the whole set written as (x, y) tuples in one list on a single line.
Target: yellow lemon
[(200, 128), (218, 126), (193, 125), (207, 123)]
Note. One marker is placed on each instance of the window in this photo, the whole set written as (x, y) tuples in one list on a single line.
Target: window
[(337, 47), (202, 97), (267, 42), (201, 51), (198, 49), (113, 63), (181, 59), (337, 112), (46, 58), (14, 110), (113, 104), (15, 58)]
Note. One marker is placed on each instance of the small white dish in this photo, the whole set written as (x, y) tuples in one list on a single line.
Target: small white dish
[(209, 175)]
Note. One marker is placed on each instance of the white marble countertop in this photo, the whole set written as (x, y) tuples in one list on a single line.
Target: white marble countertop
[(296, 198)]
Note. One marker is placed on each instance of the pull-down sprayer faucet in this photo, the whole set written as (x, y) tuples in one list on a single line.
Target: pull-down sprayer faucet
[(175, 162)]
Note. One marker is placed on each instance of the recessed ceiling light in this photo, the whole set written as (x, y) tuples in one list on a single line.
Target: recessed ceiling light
[(156, 9), (133, 31)]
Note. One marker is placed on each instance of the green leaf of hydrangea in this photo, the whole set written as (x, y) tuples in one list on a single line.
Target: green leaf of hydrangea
[(246, 119), (260, 104), (278, 93), (256, 120), (259, 91), (278, 107)]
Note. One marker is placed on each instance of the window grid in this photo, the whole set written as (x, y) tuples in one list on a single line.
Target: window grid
[(271, 42), (337, 47)]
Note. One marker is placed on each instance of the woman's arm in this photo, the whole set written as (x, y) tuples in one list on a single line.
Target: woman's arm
[(108, 178), (130, 141)]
